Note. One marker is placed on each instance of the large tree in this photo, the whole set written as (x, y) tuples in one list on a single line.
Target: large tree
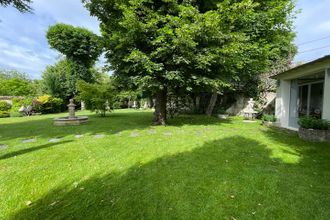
[(21, 5), (183, 45), (81, 48)]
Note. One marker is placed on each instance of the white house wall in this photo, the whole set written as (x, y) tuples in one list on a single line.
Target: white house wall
[(283, 103), (326, 102)]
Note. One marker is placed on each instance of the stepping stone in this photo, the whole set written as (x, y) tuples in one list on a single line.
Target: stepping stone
[(152, 132), (118, 133), (3, 147), (28, 140), (199, 133), (134, 134), (79, 136), (54, 140), (249, 121), (167, 134), (99, 136)]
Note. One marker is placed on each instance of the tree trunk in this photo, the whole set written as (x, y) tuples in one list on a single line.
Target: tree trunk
[(213, 100), (160, 107), (197, 104)]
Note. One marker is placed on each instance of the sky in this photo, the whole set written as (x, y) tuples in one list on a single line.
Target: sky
[(24, 47)]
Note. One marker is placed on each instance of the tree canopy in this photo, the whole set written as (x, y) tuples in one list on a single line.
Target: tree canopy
[(183, 45), (78, 44), (81, 48)]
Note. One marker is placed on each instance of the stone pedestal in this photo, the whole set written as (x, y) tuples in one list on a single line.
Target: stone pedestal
[(71, 107)]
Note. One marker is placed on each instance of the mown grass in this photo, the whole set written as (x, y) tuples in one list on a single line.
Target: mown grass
[(195, 168)]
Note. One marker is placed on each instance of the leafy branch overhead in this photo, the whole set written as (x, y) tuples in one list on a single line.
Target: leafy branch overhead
[(21, 5)]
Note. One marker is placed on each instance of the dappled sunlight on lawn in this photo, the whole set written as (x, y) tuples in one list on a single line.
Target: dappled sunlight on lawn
[(284, 154)]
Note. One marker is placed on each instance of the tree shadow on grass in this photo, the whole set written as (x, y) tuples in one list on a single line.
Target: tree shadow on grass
[(116, 122), (230, 178), (28, 150)]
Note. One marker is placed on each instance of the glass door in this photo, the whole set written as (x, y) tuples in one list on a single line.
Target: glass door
[(310, 101)]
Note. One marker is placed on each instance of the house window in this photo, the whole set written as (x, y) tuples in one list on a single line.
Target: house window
[(310, 101)]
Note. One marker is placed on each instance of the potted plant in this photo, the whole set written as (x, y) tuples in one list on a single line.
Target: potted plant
[(268, 120), (313, 129)]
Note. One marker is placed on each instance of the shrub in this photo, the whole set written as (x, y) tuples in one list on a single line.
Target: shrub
[(19, 102), (47, 104), (97, 97), (4, 106), (313, 123), (269, 118), (4, 114)]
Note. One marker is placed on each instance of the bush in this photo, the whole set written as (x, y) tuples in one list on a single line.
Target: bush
[(47, 104), (269, 118), (313, 123), (4, 106), (4, 114), (98, 97), (19, 102)]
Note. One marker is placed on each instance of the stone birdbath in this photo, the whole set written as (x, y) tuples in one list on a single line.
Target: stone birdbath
[(72, 119)]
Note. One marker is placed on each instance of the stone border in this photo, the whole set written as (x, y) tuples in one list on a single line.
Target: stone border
[(314, 135)]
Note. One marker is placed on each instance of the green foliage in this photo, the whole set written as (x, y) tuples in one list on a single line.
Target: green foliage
[(194, 45), (98, 97), (76, 43), (4, 114), (14, 83), (59, 80), (19, 102), (81, 49), (313, 123), (47, 104), (175, 43), (55, 80), (268, 118), (21, 5), (4, 106)]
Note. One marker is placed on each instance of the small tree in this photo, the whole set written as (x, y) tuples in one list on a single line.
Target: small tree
[(98, 97)]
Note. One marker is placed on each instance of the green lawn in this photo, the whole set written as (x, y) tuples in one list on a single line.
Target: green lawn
[(195, 168)]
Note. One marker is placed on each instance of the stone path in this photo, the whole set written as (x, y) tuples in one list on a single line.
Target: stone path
[(3, 147), (79, 136), (152, 132), (134, 134), (29, 140), (99, 136), (167, 134), (54, 140), (119, 133)]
